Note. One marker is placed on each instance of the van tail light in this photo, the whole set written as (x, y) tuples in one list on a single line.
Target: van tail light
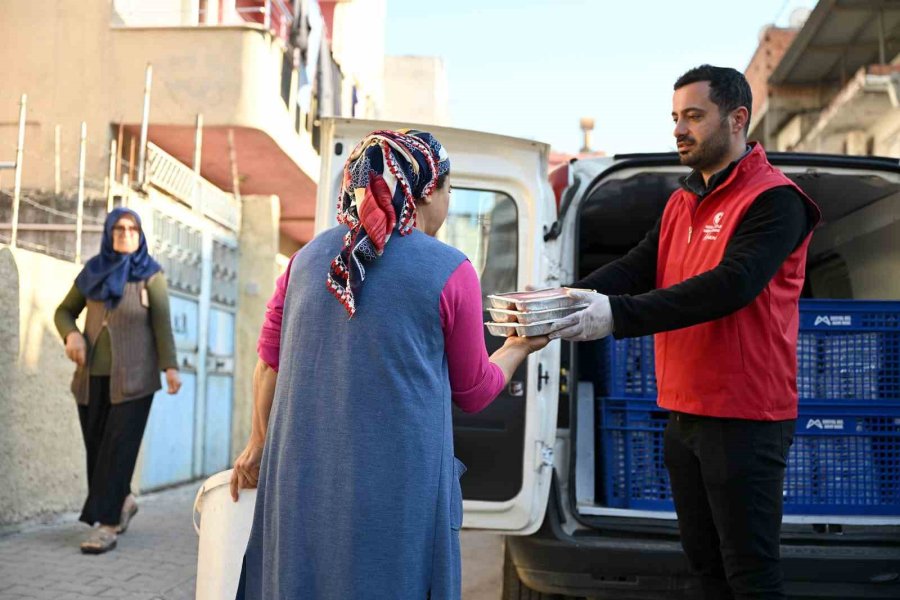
[(560, 178)]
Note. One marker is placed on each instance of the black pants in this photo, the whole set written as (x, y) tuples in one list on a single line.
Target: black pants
[(112, 437), (727, 482)]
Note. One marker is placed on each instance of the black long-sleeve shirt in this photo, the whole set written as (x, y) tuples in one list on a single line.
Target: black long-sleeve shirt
[(772, 228)]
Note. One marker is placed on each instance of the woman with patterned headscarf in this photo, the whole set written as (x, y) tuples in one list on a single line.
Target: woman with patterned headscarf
[(126, 342), (374, 330)]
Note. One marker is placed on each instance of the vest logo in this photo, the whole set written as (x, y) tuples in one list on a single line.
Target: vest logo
[(711, 232), (834, 320), (823, 424)]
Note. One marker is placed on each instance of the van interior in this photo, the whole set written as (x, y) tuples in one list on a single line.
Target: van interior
[(853, 256)]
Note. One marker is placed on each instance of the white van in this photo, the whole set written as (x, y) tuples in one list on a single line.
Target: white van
[(582, 496)]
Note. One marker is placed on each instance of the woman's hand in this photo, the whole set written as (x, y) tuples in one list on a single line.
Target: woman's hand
[(530, 344), (515, 350), (76, 349), (246, 469), (173, 380)]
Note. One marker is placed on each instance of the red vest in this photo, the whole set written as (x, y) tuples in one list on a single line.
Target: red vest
[(743, 365)]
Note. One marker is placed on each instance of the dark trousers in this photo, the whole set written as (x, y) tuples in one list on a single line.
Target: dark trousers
[(727, 480), (112, 437)]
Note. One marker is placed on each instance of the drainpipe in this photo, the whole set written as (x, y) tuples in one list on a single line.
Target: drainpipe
[(17, 185), (57, 179), (198, 146), (79, 215), (145, 122), (111, 176)]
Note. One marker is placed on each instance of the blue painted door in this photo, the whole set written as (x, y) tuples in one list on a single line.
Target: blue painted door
[(169, 439), (217, 446), (219, 391)]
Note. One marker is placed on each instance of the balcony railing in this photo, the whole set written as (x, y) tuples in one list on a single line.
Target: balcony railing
[(172, 176), (221, 207), (275, 15)]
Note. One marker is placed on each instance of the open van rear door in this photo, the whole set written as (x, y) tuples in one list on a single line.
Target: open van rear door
[(499, 208)]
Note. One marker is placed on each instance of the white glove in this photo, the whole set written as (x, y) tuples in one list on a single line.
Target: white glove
[(592, 323)]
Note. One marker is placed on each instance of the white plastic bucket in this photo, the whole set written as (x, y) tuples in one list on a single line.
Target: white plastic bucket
[(224, 530)]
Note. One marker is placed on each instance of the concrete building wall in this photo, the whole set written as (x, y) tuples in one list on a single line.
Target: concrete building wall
[(230, 74), (357, 44), (157, 12), (773, 43), (42, 460), (861, 135), (54, 41), (415, 90), (257, 272)]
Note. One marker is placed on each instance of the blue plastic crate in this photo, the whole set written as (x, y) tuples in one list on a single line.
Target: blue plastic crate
[(844, 460), (847, 350), (629, 368), (846, 453), (634, 475)]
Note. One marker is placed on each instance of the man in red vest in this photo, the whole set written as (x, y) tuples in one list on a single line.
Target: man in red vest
[(718, 281)]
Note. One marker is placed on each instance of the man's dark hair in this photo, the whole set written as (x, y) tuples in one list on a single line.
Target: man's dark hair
[(728, 88)]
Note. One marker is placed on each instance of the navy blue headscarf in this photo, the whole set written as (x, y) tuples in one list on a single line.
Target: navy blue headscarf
[(104, 276)]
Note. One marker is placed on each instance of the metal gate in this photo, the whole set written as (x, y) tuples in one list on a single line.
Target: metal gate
[(220, 359), (189, 434)]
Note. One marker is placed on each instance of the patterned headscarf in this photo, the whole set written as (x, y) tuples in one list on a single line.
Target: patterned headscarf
[(384, 176)]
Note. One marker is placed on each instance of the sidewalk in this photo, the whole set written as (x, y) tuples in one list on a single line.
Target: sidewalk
[(157, 558)]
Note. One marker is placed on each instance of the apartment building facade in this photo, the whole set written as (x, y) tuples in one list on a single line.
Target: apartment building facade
[(831, 84), (203, 116)]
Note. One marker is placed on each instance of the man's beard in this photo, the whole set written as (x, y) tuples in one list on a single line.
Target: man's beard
[(710, 152)]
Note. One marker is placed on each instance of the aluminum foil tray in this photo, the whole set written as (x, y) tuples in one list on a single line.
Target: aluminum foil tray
[(553, 314), (502, 301), (508, 301), (501, 315), (502, 329), (546, 299), (509, 329), (539, 328), (547, 303)]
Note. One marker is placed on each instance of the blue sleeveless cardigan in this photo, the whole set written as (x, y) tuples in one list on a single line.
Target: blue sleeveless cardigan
[(359, 493)]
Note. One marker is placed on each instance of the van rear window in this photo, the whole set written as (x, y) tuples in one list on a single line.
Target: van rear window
[(484, 225)]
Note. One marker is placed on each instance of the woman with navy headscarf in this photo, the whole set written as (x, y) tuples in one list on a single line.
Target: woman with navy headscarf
[(126, 342), (374, 330)]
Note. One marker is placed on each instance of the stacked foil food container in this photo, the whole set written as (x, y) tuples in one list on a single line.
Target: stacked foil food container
[(529, 313)]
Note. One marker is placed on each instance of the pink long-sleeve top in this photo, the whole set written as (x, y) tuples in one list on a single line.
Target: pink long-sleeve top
[(474, 380)]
